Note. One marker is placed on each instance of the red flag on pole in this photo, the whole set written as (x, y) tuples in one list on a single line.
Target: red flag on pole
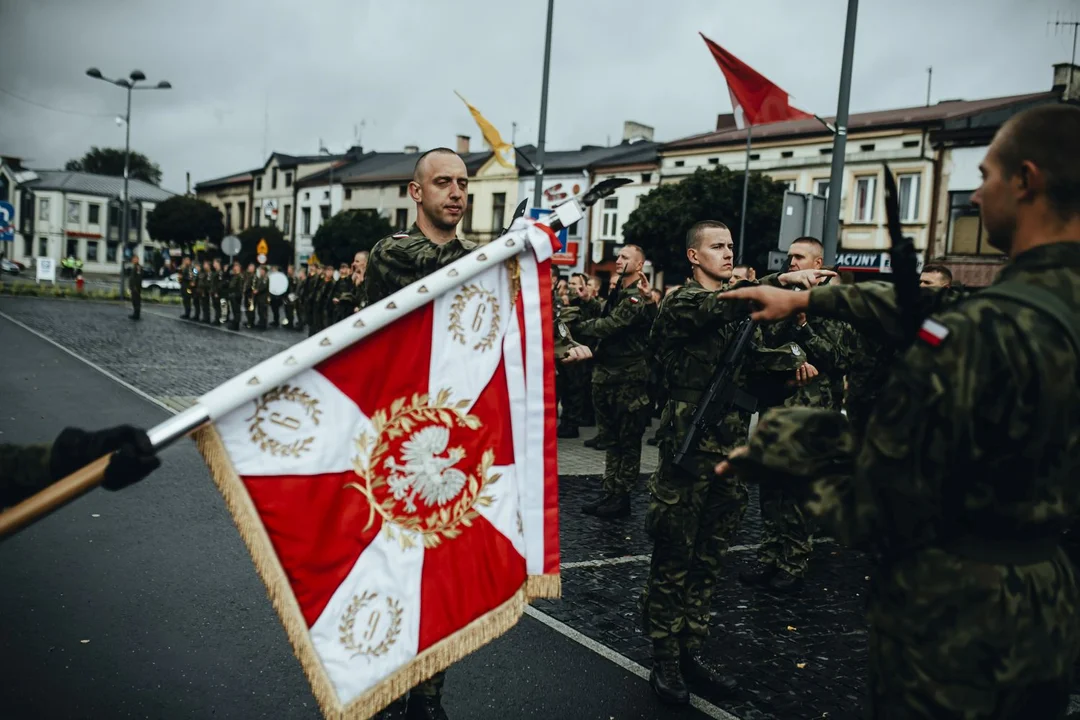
[(753, 96)]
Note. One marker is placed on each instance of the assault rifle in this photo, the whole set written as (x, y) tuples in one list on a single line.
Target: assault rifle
[(720, 397), (904, 261)]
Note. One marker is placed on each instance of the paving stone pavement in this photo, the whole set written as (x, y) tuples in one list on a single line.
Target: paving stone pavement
[(797, 657)]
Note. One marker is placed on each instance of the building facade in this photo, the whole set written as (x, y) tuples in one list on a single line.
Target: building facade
[(232, 196)]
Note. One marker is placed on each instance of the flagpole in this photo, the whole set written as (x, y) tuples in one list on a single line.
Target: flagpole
[(543, 110), (745, 189), (836, 176)]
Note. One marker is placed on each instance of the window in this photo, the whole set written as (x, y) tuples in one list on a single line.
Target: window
[(307, 196), (864, 199), (466, 219), (241, 214), (868, 147), (680, 163), (28, 246), (714, 161), (646, 178), (258, 184), (821, 187), (825, 151), (288, 219), (967, 236), (401, 218), (787, 153), (133, 221), (574, 230), (43, 247), (326, 195), (228, 217), (74, 212), (273, 179), (402, 190), (288, 179), (72, 247), (348, 193), (91, 251), (911, 143), (610, 223), (324, 213), (305, 220), (755, 156), (255, 217), (43, 209), (114, 216), (110, 251), (498, 211), (95, 214), (790, 185), (909, 197)]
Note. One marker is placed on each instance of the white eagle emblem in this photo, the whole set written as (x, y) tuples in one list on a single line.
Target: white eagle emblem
[(434, 478)]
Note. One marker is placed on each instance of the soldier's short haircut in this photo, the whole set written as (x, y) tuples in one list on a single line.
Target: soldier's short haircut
[(810, 240), (940, 270), (693, 235), (1047, 136), (583, 276), (420, 160), (637, 248)]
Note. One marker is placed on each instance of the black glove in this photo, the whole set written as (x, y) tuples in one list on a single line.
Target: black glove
[(133, 460)]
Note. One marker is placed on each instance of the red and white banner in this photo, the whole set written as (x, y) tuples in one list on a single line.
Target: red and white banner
[(400, 498)]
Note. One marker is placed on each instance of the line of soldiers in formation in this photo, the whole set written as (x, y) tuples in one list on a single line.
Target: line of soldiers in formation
[(313, 297)]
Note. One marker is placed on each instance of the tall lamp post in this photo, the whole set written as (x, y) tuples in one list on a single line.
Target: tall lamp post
[(130, 84)]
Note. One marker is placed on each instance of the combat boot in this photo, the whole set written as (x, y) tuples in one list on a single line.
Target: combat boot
[(589, 508), (761, 576), (700, 674), (785, 582), (613, 507), (667, 682), (567, 431), (426, 707)]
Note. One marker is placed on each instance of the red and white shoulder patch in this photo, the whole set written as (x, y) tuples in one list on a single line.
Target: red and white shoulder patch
[(634, 300), (400, 235), (933, 333)]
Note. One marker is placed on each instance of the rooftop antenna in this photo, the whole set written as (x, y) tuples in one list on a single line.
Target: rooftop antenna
[(1059, 26)]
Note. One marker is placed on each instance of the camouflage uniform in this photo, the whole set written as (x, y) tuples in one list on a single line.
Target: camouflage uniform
[(395, 262), (261, 294), (619, 379), (236, 297), (187, 287), (576, 378), (691, 518), (785, 531), (961, 488), (203, 281)]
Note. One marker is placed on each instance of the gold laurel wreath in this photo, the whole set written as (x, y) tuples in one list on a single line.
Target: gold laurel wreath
[(348, 622), (263, 439), (446, 522), (461, 301)]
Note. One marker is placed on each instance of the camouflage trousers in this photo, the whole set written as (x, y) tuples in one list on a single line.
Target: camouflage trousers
[(623, 412), (959, 639), (574, 393), (691, 519), (785, 530)]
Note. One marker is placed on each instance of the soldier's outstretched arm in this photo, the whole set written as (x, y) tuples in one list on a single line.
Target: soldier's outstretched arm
[(622, 317)]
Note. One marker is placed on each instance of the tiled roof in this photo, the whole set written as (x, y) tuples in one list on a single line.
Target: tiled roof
[(589, 156), (91, 184), (234, 179), (384, 167)]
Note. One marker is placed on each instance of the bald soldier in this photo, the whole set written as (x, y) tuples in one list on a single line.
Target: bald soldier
[(965, 480), (439, 188)]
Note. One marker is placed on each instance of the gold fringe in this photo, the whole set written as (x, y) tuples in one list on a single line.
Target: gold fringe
[(543, 586), (436, 658)]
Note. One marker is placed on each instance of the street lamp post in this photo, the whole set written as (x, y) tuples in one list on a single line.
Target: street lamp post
[(131, 84)]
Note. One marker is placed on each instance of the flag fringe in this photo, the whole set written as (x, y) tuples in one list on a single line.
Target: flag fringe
[(431, 661), (543, 586)]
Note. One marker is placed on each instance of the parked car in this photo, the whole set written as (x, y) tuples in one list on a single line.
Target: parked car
[(158, 286), (10, 267)]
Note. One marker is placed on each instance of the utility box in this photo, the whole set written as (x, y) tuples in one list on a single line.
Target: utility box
[(803, 214)]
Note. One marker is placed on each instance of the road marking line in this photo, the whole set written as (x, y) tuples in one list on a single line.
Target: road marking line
[(103, 371), (621, 660)]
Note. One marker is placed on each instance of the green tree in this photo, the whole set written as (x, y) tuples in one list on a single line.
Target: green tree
[(338, 239), (279, 251), (183, 221), (660, 222), (110, 161)]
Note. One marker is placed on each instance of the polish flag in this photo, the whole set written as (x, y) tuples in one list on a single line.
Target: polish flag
[(754, 98), (400, 498)]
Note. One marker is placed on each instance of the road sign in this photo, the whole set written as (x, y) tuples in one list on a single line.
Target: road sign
[(7, 221), (46, 269), (261, 257), (231, 245), (262, 248), (803, 215)]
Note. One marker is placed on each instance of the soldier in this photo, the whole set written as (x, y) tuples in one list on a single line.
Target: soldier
[(342, 301), (785, 534), (249, 295), (187, 285), (966, 477), (236, 294), (202, 293), (217, 289), (289, 298), (577, 399), (619, 380), (314, 282), (135, 286), (935, 276), (299, 284), (691, 516), (260, 292), (276, 301)]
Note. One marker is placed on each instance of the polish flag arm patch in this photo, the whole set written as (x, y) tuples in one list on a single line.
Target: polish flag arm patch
[(933, 333)]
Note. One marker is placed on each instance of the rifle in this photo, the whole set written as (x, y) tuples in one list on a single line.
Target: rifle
[(720, 397), (905, 263)]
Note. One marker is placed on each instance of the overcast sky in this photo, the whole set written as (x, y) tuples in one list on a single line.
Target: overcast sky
[(320, 68)]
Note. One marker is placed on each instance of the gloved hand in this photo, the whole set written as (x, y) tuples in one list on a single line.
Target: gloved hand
[(133, 457)]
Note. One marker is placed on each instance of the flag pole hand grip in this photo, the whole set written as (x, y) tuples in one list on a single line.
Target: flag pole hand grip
[(54, 496)]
